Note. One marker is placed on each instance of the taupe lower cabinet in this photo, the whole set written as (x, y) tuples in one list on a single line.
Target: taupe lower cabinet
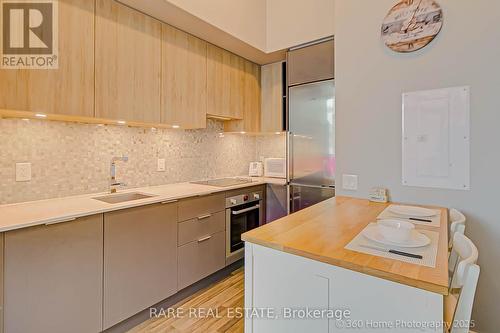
[(88, 274), (140, 259), (53, 277)]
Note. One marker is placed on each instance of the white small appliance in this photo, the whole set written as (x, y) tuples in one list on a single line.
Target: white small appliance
[(275, 167), (256, 169)]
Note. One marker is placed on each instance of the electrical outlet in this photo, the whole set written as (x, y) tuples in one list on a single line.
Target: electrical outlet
[(161, 165), (23, 172), (350, 182)]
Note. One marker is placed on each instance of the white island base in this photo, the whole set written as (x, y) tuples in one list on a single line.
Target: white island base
[(288, 288)]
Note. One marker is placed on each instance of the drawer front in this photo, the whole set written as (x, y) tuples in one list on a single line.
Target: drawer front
[(201, 258), (205, 225), (199, 206)]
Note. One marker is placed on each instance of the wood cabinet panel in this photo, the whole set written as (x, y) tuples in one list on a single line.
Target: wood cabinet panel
[(237, 85), (140, 259), (128, 64), (197, 228), (184, 79), (2, 282), (272, 97), (223, 83), (201, 258), (249, 96), (53, 277), (69, 89)]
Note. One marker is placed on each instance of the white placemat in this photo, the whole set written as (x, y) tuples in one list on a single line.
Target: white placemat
[(436, 219), (429, 252)]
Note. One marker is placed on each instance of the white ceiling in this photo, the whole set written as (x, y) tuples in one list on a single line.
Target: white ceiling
[(259, 30)]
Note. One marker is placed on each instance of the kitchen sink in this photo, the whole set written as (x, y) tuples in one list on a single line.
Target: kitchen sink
[(118, 198)]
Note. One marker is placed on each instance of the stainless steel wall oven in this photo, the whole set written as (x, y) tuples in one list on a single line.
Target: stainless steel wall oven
[(244, 212)]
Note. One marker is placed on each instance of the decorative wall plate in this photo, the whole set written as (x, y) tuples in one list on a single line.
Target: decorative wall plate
[(412, 24)]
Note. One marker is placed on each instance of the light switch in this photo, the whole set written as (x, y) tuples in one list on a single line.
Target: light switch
[(23, 172), (161, 165), (350, 182)]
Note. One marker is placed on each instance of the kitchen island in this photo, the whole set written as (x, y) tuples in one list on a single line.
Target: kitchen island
[(298, 273)]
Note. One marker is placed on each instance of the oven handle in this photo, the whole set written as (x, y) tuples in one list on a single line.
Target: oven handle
[(237, 212)]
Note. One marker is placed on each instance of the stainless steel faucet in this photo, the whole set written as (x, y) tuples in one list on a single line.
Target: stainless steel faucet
[(113, 184)]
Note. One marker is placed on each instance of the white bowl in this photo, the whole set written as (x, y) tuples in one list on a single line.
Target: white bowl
[(395, 230)]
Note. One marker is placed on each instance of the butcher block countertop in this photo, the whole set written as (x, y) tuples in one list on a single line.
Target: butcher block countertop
[(322, 231)]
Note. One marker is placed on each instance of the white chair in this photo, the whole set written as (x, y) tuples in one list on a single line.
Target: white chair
[(457, 225), (458, 304), (457, 220)]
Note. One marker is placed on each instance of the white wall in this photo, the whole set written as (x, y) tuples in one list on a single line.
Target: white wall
[(294, 22), (269, 25), (369, 81), (244, 19)]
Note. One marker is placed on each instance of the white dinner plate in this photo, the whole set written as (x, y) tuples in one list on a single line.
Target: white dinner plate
[(411, 211), (417, 239)]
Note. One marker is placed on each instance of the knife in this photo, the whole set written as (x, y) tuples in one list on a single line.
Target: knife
[(421, 220), (407, 218), (401, 253)]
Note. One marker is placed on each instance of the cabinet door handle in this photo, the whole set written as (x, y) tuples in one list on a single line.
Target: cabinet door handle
[(202, 217), (63, 221), (168, 201), (204, 239)]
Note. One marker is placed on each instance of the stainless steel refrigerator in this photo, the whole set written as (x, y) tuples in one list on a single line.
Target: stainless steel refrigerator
[(311, 143)]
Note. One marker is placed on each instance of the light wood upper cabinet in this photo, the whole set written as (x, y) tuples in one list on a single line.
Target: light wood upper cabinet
[(55, 273), (249, 96), (237, 86), (223, 83), (184, 79), (272, 97), (70, 88), (2, 292), (128, 64)]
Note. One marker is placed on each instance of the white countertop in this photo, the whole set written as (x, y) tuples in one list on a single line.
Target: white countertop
[(27, 214)]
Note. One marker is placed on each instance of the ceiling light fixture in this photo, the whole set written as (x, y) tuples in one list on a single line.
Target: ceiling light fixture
[(175, 126), (40, 115)]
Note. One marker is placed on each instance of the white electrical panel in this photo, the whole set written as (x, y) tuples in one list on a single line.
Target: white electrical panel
[(436, 142)]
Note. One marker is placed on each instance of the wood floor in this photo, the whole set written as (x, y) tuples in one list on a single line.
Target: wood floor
[(214, 309)]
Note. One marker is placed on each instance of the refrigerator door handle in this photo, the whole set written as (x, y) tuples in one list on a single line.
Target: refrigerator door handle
[(313, 186), (290, 157)]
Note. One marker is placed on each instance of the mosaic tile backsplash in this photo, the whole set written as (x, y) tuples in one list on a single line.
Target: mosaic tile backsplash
[(70, 159)]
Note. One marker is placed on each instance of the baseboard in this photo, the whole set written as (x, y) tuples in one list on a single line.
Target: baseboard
[(142, 316)]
